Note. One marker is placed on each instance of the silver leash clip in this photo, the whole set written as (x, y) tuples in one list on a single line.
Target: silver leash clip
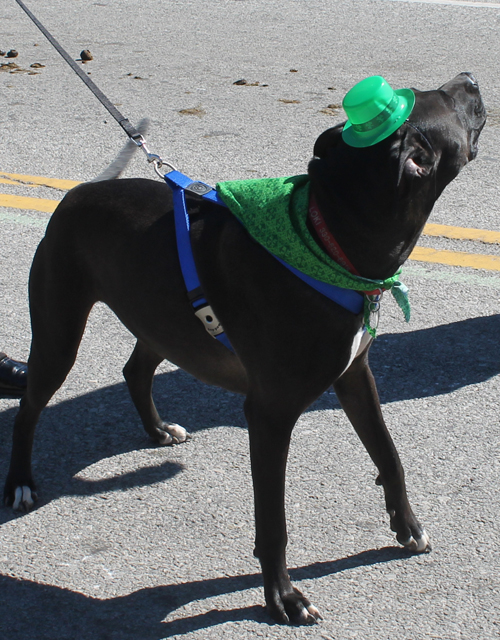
[(153, 158)]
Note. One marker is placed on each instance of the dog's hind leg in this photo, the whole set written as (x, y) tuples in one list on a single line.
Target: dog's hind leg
[(59, 311), (357, 393), (139, 372)]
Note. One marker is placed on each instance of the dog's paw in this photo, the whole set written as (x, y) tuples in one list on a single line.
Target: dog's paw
[(418, 544), (170, 433), (292, 608), (410, 533), (23, 499)]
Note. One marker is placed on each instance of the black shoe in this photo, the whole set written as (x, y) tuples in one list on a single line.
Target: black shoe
[(13, 377)]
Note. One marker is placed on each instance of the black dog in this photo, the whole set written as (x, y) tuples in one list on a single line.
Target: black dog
[(114, 241)]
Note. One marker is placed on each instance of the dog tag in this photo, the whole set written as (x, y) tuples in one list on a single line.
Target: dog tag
[(374, 318), (374, 306), (209, 320), (199, 188)]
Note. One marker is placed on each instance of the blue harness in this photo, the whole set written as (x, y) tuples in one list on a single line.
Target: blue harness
[(179, 183)]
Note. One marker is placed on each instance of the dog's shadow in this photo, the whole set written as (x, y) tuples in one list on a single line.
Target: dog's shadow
[(29, 607), (74, 434), (436, 361)]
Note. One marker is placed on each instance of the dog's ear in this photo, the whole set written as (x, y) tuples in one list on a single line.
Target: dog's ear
[(327, 140), (417, 158)]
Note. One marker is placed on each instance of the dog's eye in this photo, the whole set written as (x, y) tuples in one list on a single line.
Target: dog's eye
[(423, 161)]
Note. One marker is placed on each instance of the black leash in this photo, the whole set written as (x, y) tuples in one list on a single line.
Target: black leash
[(124, 123)]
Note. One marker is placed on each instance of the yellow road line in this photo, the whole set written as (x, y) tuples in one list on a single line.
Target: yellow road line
[(456, 258), (440, 230), (462, 233), (31, 204), (420, 254), (40, 181)]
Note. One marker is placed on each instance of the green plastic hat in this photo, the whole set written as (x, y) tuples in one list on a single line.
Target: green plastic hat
[(374, 111)]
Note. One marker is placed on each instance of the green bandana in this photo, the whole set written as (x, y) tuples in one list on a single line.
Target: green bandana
[(274, 212)]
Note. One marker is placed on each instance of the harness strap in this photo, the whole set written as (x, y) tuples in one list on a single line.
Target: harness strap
[(179, 183), (351, 300)]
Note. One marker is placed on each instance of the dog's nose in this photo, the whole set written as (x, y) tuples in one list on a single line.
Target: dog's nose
[(463, 81), (471, 78)]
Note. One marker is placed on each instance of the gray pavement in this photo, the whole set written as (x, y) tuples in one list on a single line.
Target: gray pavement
[(129, 541)]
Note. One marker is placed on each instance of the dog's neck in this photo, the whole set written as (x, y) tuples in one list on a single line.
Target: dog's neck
[(325, 238), (374, 226)]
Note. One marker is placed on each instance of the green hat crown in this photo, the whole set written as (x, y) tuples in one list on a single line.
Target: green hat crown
[(374, 111)]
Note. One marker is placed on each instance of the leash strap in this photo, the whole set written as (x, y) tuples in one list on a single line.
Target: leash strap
[(130, 130)]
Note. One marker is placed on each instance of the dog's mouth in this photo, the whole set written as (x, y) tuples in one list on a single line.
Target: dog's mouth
[(468, 104), (478, 118), (474, 138)]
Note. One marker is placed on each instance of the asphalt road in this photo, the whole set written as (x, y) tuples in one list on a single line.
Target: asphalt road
[(129, 541)]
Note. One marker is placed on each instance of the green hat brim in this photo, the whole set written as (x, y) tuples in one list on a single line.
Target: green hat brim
[(369, 138)]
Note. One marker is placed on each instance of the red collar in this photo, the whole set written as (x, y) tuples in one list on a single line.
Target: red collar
[(329, 243)]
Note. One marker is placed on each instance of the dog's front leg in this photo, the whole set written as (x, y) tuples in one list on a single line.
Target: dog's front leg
[(270, 428), (357, 393)]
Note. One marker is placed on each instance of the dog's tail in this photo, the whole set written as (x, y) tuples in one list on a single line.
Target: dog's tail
[(119, 164)]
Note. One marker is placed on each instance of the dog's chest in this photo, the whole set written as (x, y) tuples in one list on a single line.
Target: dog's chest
[(360, 341)]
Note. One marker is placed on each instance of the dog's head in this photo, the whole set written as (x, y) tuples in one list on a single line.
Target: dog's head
[(438, 139)]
